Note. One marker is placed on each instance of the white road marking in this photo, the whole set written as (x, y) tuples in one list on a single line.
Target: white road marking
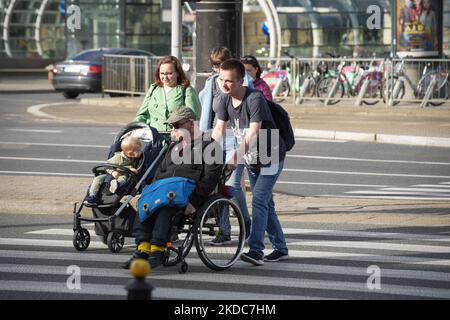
[(373, 245), (304, 254), (320, 140), (389, 197), (36, 173), (55, 144), (330, 184), (50, 160), (367, 160), (36, 130), (367, 173)]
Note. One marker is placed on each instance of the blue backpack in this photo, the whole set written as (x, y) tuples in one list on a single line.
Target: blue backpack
[(169, 192)]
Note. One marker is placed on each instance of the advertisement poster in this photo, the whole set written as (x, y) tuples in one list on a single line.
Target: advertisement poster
[(418, 28)]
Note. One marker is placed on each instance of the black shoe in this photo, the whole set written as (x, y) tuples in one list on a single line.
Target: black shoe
[(157, 258), (220, 240), (253, 258), (276, 256), (136, 255)]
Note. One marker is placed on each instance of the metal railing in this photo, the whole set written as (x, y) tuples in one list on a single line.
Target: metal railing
[(132, 74), (298, 80)]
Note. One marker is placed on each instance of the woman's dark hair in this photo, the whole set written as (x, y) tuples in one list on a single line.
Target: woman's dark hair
[(254, 62), (181, 79)]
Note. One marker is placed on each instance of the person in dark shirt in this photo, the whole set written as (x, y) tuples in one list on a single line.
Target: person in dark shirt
[(262, 151)]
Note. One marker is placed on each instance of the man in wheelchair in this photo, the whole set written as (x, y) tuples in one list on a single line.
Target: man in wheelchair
[(192, 155)]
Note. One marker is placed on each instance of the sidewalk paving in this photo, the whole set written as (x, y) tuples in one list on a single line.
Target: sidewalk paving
[(407, 124)]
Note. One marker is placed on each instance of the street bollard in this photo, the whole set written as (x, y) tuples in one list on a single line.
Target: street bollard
[(139, 288)]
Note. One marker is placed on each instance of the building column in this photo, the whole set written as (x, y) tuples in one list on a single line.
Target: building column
[(218, 23)]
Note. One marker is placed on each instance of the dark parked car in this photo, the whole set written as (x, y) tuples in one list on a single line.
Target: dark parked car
[(82, 73)]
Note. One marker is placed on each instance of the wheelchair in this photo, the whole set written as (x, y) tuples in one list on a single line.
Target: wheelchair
[(203, 228)]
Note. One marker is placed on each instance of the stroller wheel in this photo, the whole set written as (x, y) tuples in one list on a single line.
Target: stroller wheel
[(115, 241), (182, 267), (81, 239)]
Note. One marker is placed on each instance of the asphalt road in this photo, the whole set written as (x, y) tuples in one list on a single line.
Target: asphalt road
[(360, 260), (315, 167), (37, 261)]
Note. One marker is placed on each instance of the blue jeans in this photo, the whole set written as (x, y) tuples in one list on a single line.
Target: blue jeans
[(264, 217), (235, 182), (239, 199)]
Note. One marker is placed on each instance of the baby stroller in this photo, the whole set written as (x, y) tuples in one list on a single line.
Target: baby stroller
[(113, 215)]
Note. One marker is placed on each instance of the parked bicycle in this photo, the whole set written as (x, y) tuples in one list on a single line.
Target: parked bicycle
[(433, 85), (278, 82), (350, 80)]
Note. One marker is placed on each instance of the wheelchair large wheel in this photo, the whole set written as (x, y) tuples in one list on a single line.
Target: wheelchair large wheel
[(213, 212)]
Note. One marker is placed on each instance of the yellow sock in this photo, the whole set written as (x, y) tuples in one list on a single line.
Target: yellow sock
[(156, 248), (145, 247)]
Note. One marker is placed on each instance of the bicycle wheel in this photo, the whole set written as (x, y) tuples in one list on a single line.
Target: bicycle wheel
[(439, 92), (207, 228), (373, 92), (325, 86), (308, 89), (387, 92)]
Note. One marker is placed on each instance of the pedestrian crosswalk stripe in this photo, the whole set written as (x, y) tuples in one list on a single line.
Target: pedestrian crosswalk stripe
[(53, 255), (47, 243), (299, 232), (239, 266), (440, 191), (300, 283), (373, 245), (365, 234), (198, 277), (302, 254), (55, 232), (316, 243), (388, 197), (158, 293)]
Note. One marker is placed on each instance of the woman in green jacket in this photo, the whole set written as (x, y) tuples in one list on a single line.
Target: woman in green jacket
[(171, 91)]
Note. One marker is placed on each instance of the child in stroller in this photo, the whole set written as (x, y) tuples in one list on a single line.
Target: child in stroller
[(112, 213), (129, 157)]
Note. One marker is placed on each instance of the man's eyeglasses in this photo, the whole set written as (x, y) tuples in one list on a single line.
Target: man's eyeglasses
[(178, 125)]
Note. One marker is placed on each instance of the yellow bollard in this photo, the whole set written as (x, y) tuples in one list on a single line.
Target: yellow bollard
[(139, 288)]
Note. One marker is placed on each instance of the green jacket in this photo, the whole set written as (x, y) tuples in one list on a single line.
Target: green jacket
[(155, 109), (122, 160)]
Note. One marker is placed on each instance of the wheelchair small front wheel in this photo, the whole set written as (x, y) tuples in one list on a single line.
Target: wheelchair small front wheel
[(81, 239), (182, 267), (219, 216)]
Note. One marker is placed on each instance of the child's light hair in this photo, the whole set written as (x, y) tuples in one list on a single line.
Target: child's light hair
[(130, 143)]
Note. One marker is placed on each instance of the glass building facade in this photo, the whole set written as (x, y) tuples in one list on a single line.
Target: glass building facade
[(38, 29), (310, 27)]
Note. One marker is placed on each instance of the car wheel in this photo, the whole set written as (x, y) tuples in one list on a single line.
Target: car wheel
[(70, 95)]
